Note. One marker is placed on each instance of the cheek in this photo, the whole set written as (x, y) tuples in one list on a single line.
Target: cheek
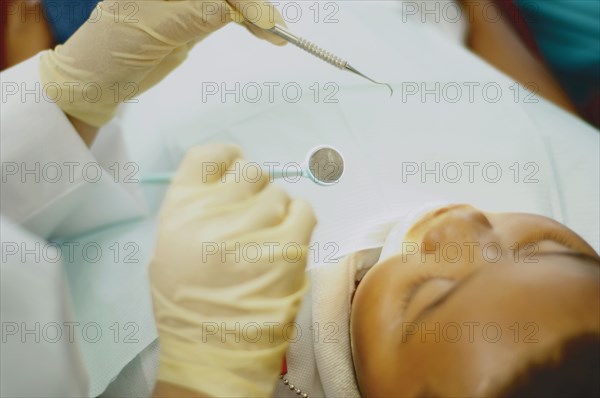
[(383, 366), (375, 311), (377, 315)]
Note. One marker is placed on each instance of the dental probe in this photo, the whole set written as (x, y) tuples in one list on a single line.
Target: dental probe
[(321, 53)]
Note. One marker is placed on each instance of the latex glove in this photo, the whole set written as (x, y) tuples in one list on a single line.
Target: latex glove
[(127, 46), (228, 276)]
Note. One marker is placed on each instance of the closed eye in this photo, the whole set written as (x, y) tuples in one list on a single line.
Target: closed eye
[(415, 286), (412, 289), (554, 236)]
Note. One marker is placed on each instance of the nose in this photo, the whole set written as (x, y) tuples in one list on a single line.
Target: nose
[(455, 224)]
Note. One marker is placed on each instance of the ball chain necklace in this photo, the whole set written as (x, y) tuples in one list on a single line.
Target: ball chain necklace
[(287, 383)]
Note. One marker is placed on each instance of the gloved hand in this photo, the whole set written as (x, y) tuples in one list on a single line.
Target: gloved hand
[(128, 46), (227, 275)]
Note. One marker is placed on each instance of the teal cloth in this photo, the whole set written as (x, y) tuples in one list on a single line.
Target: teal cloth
[(567, 33)]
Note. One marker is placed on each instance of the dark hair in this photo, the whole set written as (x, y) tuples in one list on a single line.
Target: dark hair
[(574, 372)]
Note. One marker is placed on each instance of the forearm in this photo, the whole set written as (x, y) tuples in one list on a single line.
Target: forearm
[(86, 132), (496, 41)]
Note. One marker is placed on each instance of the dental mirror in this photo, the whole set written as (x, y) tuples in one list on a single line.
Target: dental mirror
[(324, 166)]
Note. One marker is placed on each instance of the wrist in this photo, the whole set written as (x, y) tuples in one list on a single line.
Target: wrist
[(86, 102), (218, 371), (165, 390), (86, 132)]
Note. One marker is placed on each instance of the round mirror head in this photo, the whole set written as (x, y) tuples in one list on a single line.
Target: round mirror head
[(325, 165)]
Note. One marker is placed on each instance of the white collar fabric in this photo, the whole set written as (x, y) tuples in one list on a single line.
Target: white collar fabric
[(320, 358)]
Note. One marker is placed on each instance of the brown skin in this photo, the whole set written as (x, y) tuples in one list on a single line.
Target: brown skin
[(536, 296), (28, 33), (86, 132), (495, 40)]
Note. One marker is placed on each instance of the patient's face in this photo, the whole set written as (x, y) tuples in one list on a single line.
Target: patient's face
[(474, 296)]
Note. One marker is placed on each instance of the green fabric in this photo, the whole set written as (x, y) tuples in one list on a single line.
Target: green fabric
[(567, 33)]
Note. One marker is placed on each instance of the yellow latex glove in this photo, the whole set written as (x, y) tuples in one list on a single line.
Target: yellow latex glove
[(128, 46), (228, 276)]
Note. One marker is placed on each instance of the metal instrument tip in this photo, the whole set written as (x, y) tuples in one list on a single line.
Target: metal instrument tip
[(351, 69), (391, 89)]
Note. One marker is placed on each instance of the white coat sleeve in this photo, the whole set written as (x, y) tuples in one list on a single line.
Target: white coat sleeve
[(52, 184), (38, 145), (40, 352), (52, 187)]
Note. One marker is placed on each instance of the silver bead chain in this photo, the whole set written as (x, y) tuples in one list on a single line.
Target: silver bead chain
[(293, 387)]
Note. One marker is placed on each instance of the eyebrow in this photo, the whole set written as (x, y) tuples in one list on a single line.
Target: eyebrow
[(441, 300)]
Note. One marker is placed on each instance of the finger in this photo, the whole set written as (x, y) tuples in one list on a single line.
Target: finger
[(259, 16), (299, 222), (264, 35), (296, 225), (205, 164), (259, 12), (243, 179), (247, 221), (224, 183)]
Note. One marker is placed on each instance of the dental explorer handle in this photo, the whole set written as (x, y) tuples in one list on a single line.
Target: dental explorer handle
[(309, 47), (318, 52)]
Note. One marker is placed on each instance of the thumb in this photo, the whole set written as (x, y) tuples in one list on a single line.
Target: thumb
[(258, 16), (299, 223)]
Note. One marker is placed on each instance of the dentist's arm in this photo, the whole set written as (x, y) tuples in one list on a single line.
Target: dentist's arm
[(86, 132), (126, 47), (499, 44)]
